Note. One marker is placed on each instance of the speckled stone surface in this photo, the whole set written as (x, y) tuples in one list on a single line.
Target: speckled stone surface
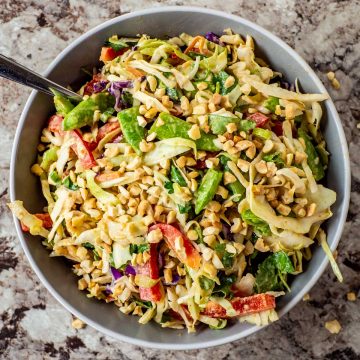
[(34, 326)]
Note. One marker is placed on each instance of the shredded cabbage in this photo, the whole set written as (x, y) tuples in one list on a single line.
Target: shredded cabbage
[(323, 198), (155, 70), (288, 240), (150, 101), (261, 208), (31, 221), (88, 236), (128, 178), (183, 80), (322, 240), (145, 281), (272, 90), (167, 149), (215, 62), (121, 254), (261, 318), (103, 196)]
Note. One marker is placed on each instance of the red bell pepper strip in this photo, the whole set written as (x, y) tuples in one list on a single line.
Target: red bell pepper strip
[(151, 269), (108, 53), (83, 150), (260, 119), (107, 128), (277, 128), (54, 123), (242, 306), (190, 256), (46, 222)]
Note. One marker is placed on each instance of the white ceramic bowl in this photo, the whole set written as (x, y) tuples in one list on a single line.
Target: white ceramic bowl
[(56, 274)]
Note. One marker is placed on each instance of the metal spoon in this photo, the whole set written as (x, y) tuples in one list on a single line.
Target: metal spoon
[(12, 70)]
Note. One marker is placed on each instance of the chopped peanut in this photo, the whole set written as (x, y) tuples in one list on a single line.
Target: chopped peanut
[(202, 85), (222, 192), (330, 75), (141, 120), (211, 230), (192, 235), (194, 132), (333, 326), (171, 217), (145, 146), (190, 161), (193, 185), (311, 209), (351, 296), (154, 236), (181, 161), (299, 157), (283, 209), (142, 109), (261, 246), (268, 146), (82, 284), (230, 81), (229, 178), (152, 82), (231, 127), (159, 92), (168, 275), (151, 113), (237, 226), (243, 165), (184, 103), (336, 84), (200, 109), (216, 99), (77, 324), (209, 239), (261, 167), (249, 248)]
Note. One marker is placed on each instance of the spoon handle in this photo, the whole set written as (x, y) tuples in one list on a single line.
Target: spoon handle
[(14, 71)]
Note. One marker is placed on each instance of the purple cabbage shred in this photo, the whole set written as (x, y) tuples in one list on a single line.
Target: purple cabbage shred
[(213, 38), (130, 270), (115, 90), (116, 273), (99, 86), (160, 261), (122, 84), (108, 290), (174, 281)]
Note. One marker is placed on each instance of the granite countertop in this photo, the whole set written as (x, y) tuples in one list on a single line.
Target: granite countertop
[(33, 325)]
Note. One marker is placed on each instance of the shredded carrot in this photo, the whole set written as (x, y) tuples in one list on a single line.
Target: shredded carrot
[(201, 39), (135, 72)]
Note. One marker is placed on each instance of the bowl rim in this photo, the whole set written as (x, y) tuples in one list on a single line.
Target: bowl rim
[(340, 224)]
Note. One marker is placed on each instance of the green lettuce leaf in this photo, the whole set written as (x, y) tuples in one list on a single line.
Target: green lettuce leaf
[(260, 226), (272, 273)]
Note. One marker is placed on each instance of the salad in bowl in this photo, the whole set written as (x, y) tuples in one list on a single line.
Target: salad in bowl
[(186, 187)]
